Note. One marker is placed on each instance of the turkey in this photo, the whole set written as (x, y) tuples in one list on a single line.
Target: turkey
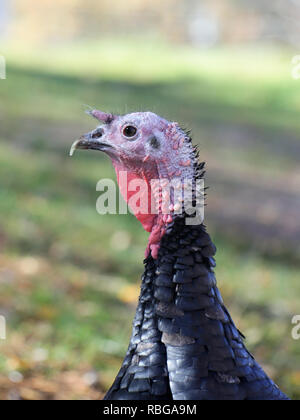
[(184, 344)]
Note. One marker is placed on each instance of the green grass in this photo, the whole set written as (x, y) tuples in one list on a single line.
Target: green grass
[(66, 286), (243, 85)]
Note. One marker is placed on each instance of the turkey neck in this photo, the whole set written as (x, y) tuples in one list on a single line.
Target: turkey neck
[(178, 326), (200, 337), (184, 344)]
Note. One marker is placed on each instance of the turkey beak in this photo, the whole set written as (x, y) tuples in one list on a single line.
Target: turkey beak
[(91, 141)]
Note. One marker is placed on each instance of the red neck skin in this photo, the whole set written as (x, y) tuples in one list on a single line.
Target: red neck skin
[(154, 223), (175, 162)]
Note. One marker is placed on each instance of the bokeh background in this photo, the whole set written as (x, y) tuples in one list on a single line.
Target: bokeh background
[(69, 278)]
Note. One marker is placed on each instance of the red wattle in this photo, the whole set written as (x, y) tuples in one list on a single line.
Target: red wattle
[(153, 223)]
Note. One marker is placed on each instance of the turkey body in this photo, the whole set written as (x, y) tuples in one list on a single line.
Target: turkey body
[(184, 344)]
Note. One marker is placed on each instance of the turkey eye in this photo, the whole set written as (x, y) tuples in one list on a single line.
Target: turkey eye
[(129, 131)]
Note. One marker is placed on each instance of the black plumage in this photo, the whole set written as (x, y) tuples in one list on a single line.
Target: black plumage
[(185, 345)]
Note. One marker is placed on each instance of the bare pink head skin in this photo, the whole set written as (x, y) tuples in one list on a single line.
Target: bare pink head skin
[(147, 147)]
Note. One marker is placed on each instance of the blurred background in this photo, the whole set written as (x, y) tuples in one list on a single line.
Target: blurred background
[(69, 278)]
